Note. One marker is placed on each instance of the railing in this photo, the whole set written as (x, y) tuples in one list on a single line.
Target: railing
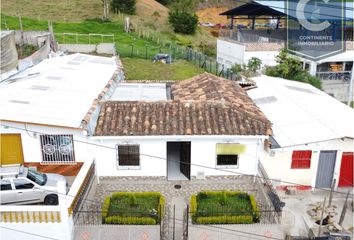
[(270, 191), (254, 36), (81, 186), (82, 38), (37, 214), (340, 75)]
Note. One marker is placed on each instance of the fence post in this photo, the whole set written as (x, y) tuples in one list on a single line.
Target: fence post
[(132, 53), (216, 68), (187, 221), (146, 51), (174, 221), (77, 39)]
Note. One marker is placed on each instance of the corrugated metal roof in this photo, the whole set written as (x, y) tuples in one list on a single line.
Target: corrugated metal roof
[(55, 92), (301, 117)]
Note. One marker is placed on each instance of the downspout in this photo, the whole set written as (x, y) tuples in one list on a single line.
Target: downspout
[(257, 159)]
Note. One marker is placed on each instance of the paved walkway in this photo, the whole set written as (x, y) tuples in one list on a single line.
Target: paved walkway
[(179, 197)]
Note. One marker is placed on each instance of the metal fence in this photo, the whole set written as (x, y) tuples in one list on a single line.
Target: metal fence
[(134, 49), (270, 192)]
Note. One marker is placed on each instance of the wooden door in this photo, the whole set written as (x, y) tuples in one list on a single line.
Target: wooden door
[(11, 149), (346, 170)]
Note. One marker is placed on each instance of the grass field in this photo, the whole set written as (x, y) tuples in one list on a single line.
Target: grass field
[(141, 69)]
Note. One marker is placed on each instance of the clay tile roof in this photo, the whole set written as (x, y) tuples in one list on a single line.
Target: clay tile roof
[(203, 105)]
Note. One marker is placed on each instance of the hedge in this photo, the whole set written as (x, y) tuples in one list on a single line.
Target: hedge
[(243, 219), (130, 220), (105, 207), (255, 209), (252, 217)]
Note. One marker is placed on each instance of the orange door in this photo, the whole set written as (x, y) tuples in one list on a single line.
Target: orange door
[(11, 149), (346, 170)]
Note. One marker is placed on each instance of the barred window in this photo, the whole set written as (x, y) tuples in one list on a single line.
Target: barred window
[(57, 148), (128, 156)]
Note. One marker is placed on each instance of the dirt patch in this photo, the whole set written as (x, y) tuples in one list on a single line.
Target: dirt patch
[(151, 8), (212, 15)]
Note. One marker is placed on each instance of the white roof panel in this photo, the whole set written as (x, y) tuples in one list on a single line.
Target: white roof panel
[(140, 92), (301, 113), (55, 91)]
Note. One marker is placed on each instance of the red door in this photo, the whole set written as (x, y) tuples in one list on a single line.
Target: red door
[(346, 170)]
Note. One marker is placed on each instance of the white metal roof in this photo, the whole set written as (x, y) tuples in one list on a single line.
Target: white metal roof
[(139, 92), (326, 9), (58, 91), (300, 113)]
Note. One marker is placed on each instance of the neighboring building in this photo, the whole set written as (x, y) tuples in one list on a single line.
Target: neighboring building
[(46, 112), (192, 128), (312, 142), (52, 98), (265, 41)]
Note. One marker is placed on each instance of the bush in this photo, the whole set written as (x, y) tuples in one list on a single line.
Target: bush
[(124, 6), (255, 209), (291, 68), (130, 220), (105, 207), (242, 219), (254, 64), (183, 22), (183, 41)]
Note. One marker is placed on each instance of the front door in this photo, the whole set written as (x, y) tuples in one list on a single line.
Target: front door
[(325, 169), (346, 170), (178, 160), (11, 149), (185, 159)]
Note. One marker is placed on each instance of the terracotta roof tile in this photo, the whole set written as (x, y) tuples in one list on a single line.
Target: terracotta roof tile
[(203, 105)]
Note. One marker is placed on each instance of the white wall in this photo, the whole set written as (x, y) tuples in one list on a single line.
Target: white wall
[(202, 153), (229, 53), (267, 57), (279, 166), (31, 144)]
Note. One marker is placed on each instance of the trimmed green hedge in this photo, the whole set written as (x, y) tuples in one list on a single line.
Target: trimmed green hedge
[(242, 219), (130, 220), (133, 208), (205, 215)]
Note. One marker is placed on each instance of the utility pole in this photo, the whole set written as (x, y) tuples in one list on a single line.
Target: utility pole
[(350, 93), (321, 220), (331, 193)]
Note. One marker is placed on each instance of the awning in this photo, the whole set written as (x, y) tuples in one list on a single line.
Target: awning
[(230, 148)]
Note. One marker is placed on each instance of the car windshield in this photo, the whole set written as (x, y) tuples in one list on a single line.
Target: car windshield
[(37, 177)]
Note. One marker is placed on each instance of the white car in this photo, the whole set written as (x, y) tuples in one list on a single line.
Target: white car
[(22, 185)]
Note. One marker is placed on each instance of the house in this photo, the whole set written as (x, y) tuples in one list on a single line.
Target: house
[(312, 141), (46, 111), (267, 36), (201, 126)]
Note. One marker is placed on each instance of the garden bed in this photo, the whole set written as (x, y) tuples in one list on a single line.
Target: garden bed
[(224, 208), (141, 208)]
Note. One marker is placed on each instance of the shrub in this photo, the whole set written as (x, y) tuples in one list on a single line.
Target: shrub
[(105, 207), (183, 41), (130, 220), (242, 219), (124, 6), (255, 209), (254, 64), (183, 22)]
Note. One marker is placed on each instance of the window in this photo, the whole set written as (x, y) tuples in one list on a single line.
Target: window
[(5, 185), (301, 159), (128, 156), (58, 148), (227, 154), (227, 159), (23, 184)]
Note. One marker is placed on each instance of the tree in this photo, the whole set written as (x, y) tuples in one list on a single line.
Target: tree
[(289, 67), (124, 6), (254, 64), (183, 22), (105, 9)]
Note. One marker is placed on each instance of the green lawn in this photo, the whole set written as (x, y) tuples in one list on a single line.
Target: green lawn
[(133, 208), (224, 207), (142, 69)]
